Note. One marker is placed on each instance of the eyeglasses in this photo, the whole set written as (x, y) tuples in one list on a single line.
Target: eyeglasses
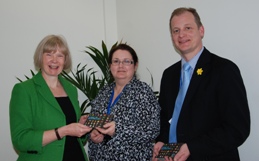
[(125, 62)]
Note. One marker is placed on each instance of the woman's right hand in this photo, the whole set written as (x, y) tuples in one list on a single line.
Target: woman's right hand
[(74, 129)]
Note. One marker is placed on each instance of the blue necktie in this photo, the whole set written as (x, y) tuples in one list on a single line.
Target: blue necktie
[(184, 83)]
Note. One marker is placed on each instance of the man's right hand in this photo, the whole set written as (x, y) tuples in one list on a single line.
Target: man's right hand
[(156, 150)]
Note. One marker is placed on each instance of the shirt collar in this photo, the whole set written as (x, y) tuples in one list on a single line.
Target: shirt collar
[(194, 60)]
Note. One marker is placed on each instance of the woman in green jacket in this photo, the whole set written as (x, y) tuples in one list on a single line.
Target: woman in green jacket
[(45, 119)]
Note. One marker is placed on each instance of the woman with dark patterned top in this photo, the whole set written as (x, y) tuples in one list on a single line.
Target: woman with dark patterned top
[(135, 108)]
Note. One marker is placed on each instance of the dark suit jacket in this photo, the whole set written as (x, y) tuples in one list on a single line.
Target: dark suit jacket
[(33, 110), (215, 118)]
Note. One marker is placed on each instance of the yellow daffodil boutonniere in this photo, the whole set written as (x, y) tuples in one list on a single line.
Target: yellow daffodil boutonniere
[(199, 71)]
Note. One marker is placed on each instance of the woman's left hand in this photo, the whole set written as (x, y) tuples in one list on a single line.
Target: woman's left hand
[(96, 136), (108, 129)]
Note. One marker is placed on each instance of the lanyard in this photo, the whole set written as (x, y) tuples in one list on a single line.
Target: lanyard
[(110, 105)]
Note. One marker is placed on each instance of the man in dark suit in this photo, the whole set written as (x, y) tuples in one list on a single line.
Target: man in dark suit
[(214, 118)]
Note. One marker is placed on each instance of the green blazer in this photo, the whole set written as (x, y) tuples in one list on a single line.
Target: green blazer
[(33, 110)]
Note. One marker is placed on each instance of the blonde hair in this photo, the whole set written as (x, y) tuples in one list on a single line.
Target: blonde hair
[(49, 44)]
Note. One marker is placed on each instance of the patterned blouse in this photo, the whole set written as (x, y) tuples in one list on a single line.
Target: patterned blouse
[(137, 123)]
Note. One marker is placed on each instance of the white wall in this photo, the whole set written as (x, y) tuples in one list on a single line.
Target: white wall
[(231, 31)]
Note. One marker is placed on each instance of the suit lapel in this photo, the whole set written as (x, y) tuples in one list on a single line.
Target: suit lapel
[(43, 89)]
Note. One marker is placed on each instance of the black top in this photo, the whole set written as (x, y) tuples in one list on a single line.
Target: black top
[(72, 149)]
